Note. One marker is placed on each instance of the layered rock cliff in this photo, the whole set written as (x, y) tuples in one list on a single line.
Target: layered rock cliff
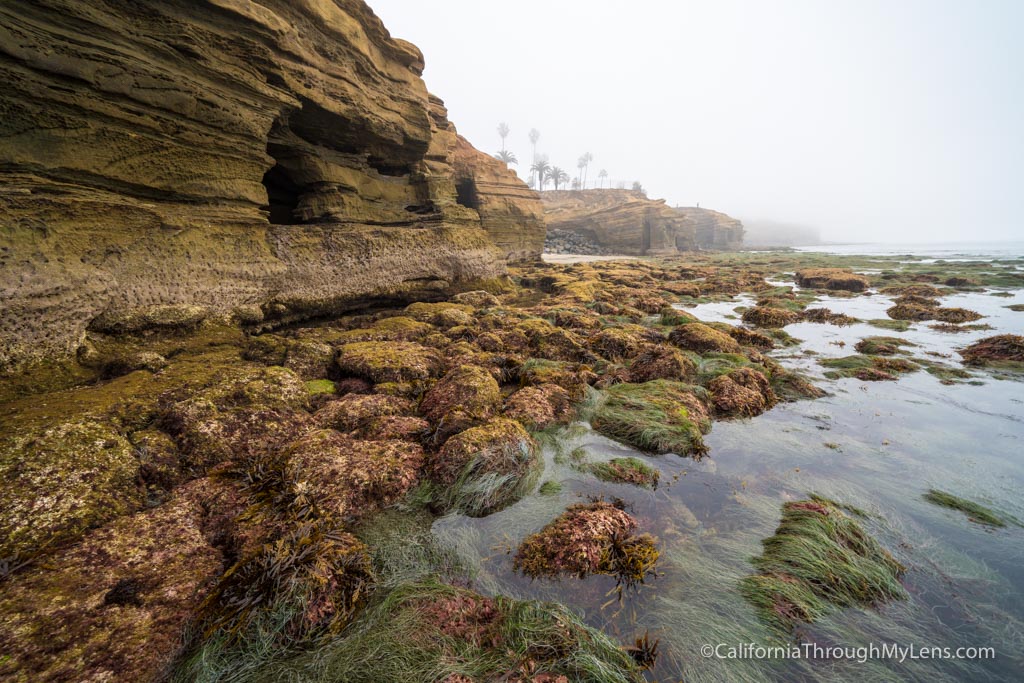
[(263, 160), (627, 222), (713, 229)]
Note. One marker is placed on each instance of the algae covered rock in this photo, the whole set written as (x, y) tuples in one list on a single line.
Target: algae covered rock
[(616, 344), (831, 278), (342, 479), (465, 396), (744, 392), (658, 416), (702, 338), (239, 415), (62, 481), (386, 362), (540, 407), (819, 559), (1000, 348), (590, 538), (573, 377), (626, 471), (353, 412), (432, 631), (657, 361), (485, 468), (305, 584), (767, 316), (116, 605)]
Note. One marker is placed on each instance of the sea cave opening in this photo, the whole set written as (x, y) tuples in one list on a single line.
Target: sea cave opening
[(282, 195)]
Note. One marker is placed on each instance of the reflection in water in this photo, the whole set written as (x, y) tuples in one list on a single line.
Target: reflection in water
[(877, 445)]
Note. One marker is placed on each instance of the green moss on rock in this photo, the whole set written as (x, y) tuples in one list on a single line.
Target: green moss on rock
[(382, 362), (485, 468), (62, 481), (658, 416), (819, 560)]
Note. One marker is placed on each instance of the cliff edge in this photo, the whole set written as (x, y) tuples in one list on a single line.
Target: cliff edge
[(628, 222), (161, 162)]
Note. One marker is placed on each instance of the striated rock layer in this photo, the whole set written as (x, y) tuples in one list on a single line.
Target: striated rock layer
[(267, 160), (713, 229), (627, 222)]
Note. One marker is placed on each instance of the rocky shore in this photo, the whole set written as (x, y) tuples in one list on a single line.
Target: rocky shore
[(265, 319)]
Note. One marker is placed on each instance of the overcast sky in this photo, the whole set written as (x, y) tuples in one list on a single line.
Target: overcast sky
[(896, 120)]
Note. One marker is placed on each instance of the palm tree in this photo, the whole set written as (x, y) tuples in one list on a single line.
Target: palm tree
[(557, 176), (541, 168), (534, 137), (602, 175), (587, 158), (581, 164), (507, 157), (503, 131)]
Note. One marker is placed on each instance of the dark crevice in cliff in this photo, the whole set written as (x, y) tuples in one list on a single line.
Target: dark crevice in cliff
[(465, 193), (282, 196)]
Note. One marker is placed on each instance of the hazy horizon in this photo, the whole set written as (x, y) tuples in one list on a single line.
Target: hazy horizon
[(870, 121)]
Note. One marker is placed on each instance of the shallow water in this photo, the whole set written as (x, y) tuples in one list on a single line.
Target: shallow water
[(877, 445)]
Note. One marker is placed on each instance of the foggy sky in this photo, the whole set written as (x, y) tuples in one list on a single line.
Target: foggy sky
[(898, 120)]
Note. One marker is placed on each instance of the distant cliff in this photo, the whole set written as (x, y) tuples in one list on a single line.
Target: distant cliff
[(627, 222), (266, 161), (713, 229)]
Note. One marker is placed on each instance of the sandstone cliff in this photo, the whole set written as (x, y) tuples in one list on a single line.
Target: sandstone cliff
[(713, 229), (265, 160), (627, 222)]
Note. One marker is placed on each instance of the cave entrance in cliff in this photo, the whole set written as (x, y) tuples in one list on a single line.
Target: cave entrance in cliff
[(282, 196), (465, 193)]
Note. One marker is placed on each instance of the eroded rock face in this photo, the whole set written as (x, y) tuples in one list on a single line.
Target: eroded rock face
[(273, 161), (510, 212), (628, 222)]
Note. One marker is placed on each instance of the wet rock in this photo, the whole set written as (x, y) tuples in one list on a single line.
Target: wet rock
[(831, 278), (62, 481), (396, 362), (594, 538), (1000, 348), (462, 398), (702, 339), (657, 361), (765, 316), (540, 407), (485, 468)]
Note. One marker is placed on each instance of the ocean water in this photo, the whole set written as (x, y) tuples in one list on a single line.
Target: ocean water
[(876, 445), (949, 251)]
